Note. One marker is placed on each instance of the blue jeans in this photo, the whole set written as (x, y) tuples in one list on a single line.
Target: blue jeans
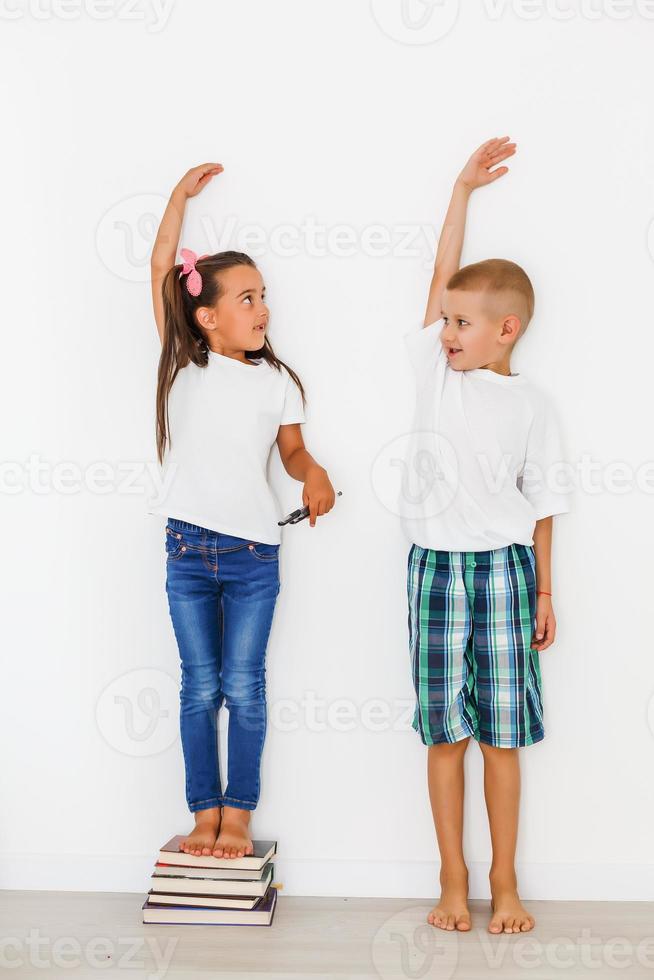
[(221, 592)]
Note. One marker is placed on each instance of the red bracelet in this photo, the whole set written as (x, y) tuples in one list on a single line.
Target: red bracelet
[(544, 593)]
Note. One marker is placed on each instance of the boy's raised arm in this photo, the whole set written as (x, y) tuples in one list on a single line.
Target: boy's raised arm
[(476, 173), (165, 245)]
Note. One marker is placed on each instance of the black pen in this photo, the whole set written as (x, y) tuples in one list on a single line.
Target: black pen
[(298, 515)]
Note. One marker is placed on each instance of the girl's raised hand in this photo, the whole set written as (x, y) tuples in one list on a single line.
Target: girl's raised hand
[(477, 171), (197, 178)]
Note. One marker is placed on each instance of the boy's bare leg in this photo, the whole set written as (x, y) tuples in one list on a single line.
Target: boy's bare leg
[(203, 837), (502, 792), (446, 786)]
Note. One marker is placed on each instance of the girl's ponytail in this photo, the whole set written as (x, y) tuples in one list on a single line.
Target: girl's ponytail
[(183, 340)]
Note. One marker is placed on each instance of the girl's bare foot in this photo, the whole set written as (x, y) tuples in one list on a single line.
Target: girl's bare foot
[(451, 911), (509, 914), (234, 838), (203, 837)]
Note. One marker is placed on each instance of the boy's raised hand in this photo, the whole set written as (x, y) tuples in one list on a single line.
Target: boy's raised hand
[(197, 178), (477, 171)]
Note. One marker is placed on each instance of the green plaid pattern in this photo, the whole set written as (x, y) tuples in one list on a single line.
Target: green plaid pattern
[(471, 621)]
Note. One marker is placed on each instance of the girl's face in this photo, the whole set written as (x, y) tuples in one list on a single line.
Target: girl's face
[(239, 319)]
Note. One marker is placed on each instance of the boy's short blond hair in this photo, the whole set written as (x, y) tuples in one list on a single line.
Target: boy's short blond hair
[(506, 283)]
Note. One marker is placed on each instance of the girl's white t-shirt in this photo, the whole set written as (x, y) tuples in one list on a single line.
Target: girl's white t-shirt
[(224, 419), (484, 459)]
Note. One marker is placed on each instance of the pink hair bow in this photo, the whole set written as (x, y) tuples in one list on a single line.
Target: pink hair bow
[(194, 280)]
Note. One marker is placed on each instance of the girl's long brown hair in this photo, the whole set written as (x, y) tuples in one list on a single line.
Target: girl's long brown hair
[(183, 339)]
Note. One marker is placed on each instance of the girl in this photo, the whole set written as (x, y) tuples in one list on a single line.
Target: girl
[(223, 398)]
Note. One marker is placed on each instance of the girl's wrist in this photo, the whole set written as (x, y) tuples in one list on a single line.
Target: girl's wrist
[(179, 196), (461, 184)]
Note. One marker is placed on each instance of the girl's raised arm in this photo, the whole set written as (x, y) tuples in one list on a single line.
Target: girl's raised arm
[(167, 240), (476, 173)]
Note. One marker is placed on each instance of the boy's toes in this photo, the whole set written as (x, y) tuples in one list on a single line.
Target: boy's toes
[(463, 922)]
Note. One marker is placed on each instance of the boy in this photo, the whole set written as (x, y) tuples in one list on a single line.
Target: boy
[(477, 502)]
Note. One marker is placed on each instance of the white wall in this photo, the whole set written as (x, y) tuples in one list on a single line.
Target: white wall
[(317, 113)]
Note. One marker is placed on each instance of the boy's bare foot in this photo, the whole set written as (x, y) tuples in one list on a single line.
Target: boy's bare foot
[(509, 914), (234, 838), (452, 912), (203, 837)]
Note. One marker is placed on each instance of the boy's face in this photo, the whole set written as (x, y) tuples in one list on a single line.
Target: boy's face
[(475, 334)]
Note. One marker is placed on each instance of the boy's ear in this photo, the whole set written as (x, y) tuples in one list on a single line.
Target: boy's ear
[(510, 329)]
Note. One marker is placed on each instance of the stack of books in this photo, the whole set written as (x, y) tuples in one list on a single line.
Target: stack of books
[(190, 889)]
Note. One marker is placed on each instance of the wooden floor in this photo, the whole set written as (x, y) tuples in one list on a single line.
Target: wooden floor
[(94, 935)]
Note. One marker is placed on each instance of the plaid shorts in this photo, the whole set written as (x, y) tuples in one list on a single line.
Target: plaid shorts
[(471, 621)]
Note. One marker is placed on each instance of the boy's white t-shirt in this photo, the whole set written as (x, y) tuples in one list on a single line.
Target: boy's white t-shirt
[(484, 459), (224, 419)]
